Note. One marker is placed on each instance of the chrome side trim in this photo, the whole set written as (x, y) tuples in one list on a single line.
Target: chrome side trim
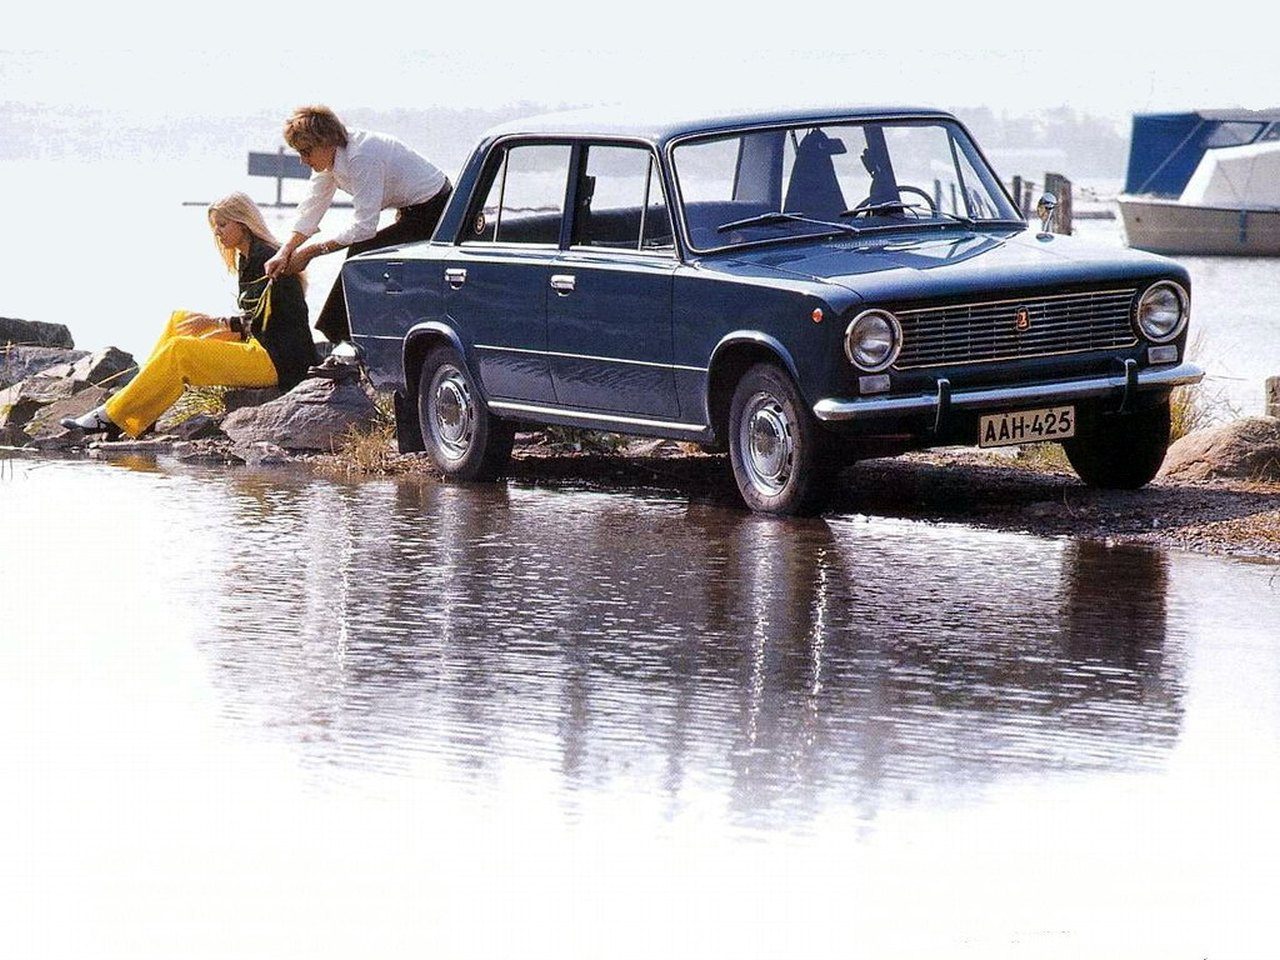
[(503, 406), (1152, 378), (376, 336), (585, 356)]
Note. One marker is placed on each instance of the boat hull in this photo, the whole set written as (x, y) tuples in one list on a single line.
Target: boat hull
[(1170, 227)]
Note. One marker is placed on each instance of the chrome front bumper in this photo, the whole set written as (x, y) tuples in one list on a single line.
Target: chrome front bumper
[(1121, 386)]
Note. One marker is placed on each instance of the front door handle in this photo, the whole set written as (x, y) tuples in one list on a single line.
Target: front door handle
[(562, 283), (455, 277)]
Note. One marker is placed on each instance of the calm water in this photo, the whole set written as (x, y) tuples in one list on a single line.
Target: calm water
[(255, 715)]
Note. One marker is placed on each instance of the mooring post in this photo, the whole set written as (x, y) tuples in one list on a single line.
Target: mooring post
[(1022, 199), (1273, 396), (1060, 187), (280, 179)]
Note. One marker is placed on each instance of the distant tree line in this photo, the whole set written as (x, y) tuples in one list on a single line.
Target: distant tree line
[(1093, 146)]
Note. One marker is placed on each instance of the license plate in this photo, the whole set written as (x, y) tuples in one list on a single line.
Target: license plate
[(1026, 426)]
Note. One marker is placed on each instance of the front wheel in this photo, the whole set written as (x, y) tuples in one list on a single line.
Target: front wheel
[(460, 435), (775, 445), (1122, 451)]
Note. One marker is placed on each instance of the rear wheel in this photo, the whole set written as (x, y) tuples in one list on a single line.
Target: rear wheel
[(775, 444), (1122, 451), (460, 435)]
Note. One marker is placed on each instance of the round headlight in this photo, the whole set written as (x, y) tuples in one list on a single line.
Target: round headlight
[(1162, 311), (872, 340)]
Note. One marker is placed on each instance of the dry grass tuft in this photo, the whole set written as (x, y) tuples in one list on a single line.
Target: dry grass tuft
[(371, 450), (195, 401), (368, 451), (1195, 407)]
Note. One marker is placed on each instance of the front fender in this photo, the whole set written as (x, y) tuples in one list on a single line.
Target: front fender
[(753, 338)]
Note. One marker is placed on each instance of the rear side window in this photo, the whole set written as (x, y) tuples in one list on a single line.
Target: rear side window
[(525, 199)]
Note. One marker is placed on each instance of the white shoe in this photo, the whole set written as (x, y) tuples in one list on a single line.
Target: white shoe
[(95, 421)]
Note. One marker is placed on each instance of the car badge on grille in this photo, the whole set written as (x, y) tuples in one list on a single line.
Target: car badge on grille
[(1022, 319)]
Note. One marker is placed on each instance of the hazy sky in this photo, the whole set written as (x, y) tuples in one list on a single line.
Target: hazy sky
[(230, 60)]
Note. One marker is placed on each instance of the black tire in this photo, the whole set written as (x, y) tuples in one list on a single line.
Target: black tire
[(459, 434), (1121, 451), (776, 446)]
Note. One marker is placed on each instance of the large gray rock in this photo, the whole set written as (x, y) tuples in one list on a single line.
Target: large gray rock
[(22, 401), (31, 333), (18, 363), (111, 368), (105, 370), (1247, 449), (314, 415), (200, 427), (237, 398), (46, 426)]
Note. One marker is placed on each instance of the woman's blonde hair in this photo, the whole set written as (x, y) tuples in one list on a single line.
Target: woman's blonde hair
[(238, 207)]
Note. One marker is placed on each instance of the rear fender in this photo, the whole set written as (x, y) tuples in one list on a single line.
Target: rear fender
[(418, 342)]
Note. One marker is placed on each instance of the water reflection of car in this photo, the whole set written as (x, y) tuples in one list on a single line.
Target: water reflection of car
[(801, 289)]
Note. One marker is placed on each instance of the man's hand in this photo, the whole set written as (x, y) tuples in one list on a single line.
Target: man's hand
[(279, 263)]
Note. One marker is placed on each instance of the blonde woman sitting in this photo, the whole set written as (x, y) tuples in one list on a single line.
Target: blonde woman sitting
[(269, 344)]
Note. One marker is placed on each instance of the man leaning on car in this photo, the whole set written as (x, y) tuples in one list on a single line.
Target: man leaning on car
[(381, 173)]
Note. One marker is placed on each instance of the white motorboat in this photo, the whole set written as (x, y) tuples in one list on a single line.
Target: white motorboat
[(1205, 183)]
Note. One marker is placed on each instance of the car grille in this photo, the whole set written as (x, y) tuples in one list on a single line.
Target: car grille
[(987, 332)]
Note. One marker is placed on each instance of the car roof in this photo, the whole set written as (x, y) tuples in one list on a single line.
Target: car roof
[(621, 122)]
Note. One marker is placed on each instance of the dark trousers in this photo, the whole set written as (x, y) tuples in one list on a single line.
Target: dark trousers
[(412, 223)]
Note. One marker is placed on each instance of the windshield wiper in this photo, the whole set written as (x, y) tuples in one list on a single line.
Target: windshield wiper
[(883, 205), (780, 216)]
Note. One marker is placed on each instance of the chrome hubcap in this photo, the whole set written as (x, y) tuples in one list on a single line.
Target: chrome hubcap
[(452, 413), (768, 445)]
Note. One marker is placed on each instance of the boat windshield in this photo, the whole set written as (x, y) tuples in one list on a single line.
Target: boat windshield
[(842, 177)]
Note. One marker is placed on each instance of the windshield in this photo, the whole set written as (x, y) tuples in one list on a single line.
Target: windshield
[(837, 178)]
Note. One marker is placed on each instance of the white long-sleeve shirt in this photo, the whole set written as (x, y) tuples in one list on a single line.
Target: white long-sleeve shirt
[(380, 172)]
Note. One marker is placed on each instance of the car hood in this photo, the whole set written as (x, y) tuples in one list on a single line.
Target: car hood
[(895, 267)]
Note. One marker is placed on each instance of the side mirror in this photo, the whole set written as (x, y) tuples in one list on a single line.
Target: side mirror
[(1046, 207)]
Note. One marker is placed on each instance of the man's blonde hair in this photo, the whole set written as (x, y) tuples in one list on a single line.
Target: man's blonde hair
[(314, 126)]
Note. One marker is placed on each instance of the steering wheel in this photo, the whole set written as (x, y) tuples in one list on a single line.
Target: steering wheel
[(907, 188)]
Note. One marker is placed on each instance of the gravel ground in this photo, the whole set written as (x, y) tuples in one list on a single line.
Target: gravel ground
[(989, 490)]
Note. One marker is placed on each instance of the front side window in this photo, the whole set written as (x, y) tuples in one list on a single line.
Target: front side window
[(1232, 134), (835, 178), (524, 202), (620, 204)]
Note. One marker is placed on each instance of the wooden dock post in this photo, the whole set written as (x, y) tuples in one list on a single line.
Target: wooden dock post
[(1060, 187), (1273, 397)]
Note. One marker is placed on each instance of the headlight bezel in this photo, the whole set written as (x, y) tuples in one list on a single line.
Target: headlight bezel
[(1184, 311), (865, 318)]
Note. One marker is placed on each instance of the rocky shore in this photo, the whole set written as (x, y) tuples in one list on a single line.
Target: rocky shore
[(1219, 491)]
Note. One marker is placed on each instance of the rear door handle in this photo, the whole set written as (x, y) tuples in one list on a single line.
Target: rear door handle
[(455, 277), (562, 283)]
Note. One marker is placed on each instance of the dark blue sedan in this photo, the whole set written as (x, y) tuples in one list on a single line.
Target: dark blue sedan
[(800, 289)]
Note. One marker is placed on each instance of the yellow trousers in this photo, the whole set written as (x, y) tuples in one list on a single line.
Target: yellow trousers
[(177, 361)]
